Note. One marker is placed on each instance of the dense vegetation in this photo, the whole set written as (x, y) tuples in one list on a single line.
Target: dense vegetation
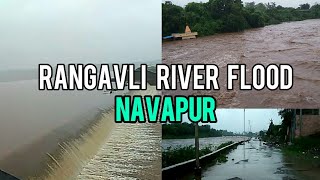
[(302, 147), (305, 146), (180, 154), (280, 134), (186, 130), (218, 16)]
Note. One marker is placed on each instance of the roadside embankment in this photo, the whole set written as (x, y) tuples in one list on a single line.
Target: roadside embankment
[(180, 169)]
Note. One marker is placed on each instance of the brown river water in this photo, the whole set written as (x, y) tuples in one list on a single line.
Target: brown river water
[(294, 43)]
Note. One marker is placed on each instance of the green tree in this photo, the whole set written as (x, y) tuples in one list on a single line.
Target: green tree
[(305, 6), (196, 13), (173, 18), (229, 16), (287, 116)]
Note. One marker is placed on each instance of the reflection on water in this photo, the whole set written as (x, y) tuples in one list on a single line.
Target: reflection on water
[(251, 160), (256, 160)]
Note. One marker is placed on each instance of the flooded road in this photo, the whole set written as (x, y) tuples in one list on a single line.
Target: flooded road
[(254, 160), (294, 43)]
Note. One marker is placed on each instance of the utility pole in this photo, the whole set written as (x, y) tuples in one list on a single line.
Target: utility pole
[(244, 134), (293, 124), (198, 168), (244, 122), (300, 123)]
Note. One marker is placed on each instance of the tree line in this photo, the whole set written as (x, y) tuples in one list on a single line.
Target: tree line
[(217, 16), (186, 130), (285, 132)]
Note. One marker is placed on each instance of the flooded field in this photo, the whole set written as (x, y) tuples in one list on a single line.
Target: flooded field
[(294, 43), (215, 141)]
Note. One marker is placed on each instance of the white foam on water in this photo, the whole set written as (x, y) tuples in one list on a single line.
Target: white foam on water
[(110, 151)]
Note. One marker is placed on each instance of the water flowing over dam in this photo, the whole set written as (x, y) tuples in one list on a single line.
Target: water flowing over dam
[(73, 136), (110, 150), (131, 152)]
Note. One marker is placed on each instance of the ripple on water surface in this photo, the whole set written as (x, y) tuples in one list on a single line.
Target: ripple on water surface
[(132, 152)]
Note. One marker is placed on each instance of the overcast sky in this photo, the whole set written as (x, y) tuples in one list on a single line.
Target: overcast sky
[(285, 3), (232, 119), (55, 31)]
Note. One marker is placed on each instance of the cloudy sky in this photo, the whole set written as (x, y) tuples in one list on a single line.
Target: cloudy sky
[(285, 3), (232, 119), (54, 31)]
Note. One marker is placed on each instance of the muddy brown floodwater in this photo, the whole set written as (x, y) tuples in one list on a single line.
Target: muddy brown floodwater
[(294, 43)]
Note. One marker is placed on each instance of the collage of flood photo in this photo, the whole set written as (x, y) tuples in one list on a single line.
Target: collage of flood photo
[(160, 89)]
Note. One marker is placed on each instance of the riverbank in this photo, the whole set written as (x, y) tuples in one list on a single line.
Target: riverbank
[(186, 169), (293, 43), (171, 156)]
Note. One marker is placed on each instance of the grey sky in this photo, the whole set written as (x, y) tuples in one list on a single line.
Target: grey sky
[(285, 3), (55, 31), (232, 119)]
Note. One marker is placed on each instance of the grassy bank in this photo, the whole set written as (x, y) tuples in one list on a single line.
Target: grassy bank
[(304, 147), (172, 156)]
